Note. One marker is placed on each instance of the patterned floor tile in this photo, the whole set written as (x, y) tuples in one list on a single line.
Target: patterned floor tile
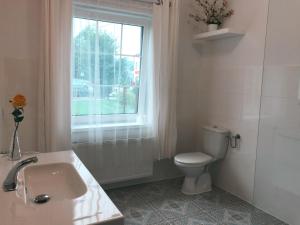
[(236, 217), (175, 208), (138, 216), (162, 203), (200, 219), (259, 217)]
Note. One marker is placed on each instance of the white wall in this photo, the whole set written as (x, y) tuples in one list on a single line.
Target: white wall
[(277, 180), (19, 44), (229, 91), (223, 77), (188, 67), (19, 40)]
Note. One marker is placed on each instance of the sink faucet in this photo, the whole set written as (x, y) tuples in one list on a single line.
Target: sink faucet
[(10, 182)]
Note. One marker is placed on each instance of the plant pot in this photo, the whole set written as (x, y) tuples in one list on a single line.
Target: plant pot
[(212, 27)]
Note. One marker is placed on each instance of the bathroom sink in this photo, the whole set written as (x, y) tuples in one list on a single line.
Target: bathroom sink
[(58, 180), (76, 198)]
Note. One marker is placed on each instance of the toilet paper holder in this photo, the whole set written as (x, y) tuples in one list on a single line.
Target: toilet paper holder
[(235, 141)]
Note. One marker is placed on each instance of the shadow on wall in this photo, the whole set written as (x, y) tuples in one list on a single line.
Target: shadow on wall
[(211, 48), (162, 170), (20, 78)]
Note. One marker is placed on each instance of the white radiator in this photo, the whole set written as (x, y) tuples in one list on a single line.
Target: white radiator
[(120, 161)]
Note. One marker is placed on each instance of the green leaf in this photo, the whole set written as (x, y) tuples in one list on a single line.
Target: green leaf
[(18, 115), (19, 119)]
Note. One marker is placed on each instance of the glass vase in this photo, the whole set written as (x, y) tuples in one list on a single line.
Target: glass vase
[(14, 150)]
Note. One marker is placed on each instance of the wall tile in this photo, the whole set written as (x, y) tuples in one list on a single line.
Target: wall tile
[(230, 90), (281, 81)]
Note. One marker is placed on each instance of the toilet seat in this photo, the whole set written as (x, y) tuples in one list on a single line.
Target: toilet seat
[(193, 159)]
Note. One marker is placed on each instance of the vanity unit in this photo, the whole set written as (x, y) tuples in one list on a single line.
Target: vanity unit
[(56, 190)]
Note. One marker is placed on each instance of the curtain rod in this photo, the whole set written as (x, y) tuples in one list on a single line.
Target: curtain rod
[(157, 2)]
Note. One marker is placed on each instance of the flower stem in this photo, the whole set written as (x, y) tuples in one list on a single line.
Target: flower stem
[(14, 140)]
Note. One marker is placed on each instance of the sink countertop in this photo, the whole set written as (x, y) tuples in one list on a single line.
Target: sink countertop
[(93, 207)]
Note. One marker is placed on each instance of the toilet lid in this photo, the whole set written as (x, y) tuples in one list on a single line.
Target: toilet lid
[(193, 158)]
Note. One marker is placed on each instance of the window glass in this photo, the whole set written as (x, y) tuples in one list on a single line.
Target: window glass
[(106, 67), (131, 40)]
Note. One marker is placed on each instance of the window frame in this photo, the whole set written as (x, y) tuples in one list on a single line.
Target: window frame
[(125, 18)]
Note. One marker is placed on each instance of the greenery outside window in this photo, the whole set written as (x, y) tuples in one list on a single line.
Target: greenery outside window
[(108, 66)]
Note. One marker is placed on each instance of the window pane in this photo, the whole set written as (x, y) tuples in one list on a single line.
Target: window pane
[(109, 69), (82, 106), (106, 68), (109, 101), (109, 37), (131, 40), (127, 98), (132, 96), (84, 41), (130, 71), (84, 68), (82, 88)]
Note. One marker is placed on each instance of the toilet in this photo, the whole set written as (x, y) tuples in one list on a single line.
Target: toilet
[(195, 164)]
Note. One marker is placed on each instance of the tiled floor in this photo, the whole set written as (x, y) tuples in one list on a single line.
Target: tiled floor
[(162, 203)]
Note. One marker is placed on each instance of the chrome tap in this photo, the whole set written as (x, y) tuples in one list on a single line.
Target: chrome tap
[(10, 182)]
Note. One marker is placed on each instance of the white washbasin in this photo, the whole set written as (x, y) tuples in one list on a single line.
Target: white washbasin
[(58, 180), (76, 198)]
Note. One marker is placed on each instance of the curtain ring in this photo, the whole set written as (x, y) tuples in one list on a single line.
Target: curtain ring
[(159, 2)]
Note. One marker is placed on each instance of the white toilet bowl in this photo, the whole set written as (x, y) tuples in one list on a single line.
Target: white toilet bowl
[(194, 165)]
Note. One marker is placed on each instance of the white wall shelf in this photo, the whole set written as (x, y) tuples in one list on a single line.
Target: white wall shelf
[(218, 34)]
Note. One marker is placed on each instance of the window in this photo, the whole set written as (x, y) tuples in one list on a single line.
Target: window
[(109, 67)]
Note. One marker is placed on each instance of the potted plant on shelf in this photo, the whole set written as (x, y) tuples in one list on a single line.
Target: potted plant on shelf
[(211, 12)]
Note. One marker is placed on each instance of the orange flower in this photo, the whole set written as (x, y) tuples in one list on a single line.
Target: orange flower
[(19, 101)]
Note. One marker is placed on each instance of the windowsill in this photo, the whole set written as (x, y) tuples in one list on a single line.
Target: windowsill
[(106, 126), (92, 133)]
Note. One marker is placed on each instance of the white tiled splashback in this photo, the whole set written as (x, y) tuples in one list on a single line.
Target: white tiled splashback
[(229, 90), (277, 183), (233, 102), (278, 152), (238, 76)]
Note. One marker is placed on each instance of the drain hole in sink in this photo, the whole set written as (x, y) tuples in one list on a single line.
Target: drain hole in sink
[(40, 199)]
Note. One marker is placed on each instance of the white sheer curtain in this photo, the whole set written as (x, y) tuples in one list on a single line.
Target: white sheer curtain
[(116, 122), (112, 80), (113, 125), (165, 33), (54, 84)]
